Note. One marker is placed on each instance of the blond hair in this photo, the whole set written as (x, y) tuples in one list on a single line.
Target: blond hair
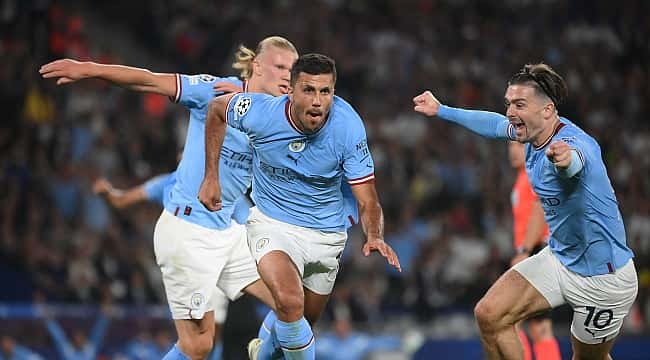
[(244, 56)]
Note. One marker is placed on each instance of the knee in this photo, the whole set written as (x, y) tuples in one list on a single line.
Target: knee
[(197, 347), (290, 304), (488, 315)]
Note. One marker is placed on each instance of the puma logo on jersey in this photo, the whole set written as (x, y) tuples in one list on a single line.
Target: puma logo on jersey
[(295, 159)]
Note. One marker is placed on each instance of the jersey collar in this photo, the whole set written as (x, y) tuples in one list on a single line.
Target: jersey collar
[(559, 126)]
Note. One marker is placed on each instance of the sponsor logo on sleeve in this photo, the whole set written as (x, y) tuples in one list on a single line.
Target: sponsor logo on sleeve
[(362, 147)]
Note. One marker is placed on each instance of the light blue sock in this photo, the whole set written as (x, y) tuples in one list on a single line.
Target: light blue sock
[(175, 354), (270, 349), (296, 339), (215, 354), (267, 325)]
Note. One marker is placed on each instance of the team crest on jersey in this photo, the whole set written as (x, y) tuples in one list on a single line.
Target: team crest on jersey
[(197, 300), (242, 105), (207, 78), (297, 146)]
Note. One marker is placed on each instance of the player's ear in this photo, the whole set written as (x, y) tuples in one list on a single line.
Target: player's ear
[(257, 67), (549, 110)]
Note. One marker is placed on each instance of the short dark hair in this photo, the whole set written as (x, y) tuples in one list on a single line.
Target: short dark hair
[(313, 64), (544, 80)]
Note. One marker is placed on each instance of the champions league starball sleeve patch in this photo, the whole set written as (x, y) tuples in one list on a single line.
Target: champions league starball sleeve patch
[(242, 106), (237, 108)]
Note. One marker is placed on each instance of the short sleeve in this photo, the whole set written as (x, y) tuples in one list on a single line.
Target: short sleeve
[(195, 91), (358, 166), (154, 188), (246, 111)]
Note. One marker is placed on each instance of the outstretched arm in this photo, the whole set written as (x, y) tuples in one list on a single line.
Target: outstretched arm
[(98, 332), (119, 199), (68, 71), (485, 123), (215, 132), (372, 222), (58, 335)]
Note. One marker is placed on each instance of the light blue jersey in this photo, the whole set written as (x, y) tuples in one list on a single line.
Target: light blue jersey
[(350, 208), (297, 177), (158, 188), (242, 210), (586, 228), (195, 92)]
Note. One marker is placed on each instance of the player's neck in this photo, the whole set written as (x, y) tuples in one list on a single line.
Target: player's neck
[(253, 86), (547, 133), (295, 119)]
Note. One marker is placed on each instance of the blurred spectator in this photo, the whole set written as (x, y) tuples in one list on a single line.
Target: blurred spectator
[(144, 347), (344, 343), (9, 350), (79, 346)]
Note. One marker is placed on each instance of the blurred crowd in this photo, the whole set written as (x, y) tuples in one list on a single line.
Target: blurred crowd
[(445, 192)]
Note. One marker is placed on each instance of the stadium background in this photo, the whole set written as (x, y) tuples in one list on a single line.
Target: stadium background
[(445, 192)]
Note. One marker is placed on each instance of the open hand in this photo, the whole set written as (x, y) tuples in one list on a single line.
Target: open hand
[(384, 249), (66, 70)]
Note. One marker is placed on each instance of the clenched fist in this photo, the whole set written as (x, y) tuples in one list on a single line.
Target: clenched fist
[(559, 153), (426, 104)]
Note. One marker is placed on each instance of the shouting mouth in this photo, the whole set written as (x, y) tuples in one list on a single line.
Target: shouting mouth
[(314, 114), (518, 125)]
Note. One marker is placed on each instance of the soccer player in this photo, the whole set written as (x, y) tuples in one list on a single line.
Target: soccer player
[(587, 262), (530, 233), (271, 349), (305, 144), (195, 247), (157, 190)]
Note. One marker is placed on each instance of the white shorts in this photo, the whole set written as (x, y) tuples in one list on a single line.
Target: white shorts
[(600, 303), (195, 260), (220, 305), (315, 253)]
